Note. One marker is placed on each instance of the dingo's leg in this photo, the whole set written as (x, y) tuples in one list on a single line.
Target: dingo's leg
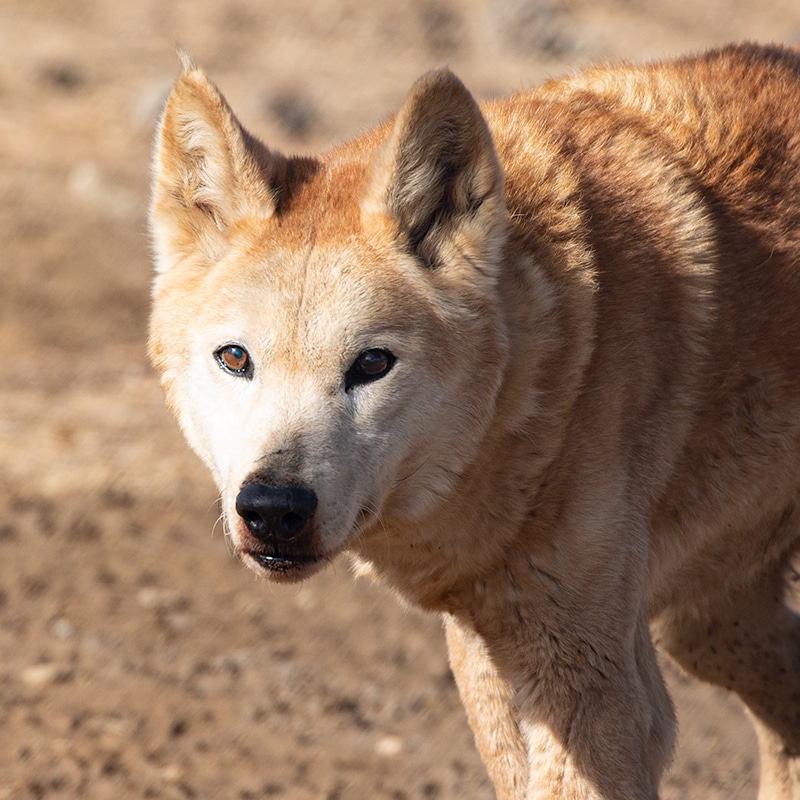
[(749, 642), (573, 708), (602, 729), (489, 703)]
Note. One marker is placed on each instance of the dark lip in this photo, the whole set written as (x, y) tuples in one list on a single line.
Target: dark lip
[(285, 567)]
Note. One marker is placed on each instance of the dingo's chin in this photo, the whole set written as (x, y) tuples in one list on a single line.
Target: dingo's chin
[(283, 561), (282, 568)]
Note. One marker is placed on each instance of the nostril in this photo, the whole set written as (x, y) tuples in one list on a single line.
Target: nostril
[(292, 523), (275, 512), (254, 522)]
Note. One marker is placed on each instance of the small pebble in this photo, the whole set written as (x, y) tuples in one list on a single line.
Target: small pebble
[(38, 676), (389, 746), (63, 628)]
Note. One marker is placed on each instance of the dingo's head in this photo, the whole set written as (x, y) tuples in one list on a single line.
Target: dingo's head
[(328, 331)]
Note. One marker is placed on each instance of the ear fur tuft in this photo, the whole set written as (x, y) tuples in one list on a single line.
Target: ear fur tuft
[(187, 62)]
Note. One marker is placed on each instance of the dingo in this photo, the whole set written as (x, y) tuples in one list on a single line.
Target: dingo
[(536, 366)]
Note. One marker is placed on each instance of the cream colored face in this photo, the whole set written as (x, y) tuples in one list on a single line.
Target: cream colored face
[(321, 372)]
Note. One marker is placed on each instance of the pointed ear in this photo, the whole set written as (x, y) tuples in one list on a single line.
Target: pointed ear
[(438, 177), (209, 173)]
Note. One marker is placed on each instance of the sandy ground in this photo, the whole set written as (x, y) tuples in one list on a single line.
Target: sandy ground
[(138, 659)]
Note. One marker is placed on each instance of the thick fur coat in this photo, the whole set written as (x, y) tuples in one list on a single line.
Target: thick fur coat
[(536, 366)]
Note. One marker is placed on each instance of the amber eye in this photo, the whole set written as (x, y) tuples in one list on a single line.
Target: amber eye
[(370, 365), (235, 359)]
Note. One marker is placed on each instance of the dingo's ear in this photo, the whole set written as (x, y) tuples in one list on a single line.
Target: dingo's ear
[(438, 176), (209, 173)]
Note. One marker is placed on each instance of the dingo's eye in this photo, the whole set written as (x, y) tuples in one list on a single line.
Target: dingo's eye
[(234, 359), (369, 366)]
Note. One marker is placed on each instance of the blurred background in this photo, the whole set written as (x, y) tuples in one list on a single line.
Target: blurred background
[(137, 659)]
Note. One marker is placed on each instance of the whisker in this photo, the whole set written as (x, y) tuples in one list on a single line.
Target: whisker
[(411, 474)]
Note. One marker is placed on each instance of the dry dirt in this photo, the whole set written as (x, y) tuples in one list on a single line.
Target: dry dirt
[(137, 658)]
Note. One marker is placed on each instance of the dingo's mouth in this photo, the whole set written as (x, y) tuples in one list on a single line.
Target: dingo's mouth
[(284, 567)]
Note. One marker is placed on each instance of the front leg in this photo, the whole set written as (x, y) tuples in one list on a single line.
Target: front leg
[(560, 679), (598, 728), (489, 703)]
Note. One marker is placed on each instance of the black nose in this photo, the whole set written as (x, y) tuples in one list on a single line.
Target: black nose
[(275, 512)]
